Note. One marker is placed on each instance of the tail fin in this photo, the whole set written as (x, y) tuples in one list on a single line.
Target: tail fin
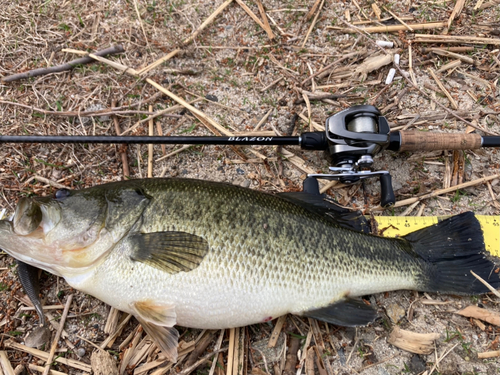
[(452, 248)]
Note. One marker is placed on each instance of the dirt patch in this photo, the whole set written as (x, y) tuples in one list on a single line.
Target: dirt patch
[(236, 75)]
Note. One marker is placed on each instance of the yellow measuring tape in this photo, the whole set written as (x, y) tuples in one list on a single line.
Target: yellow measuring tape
[(392, 226)]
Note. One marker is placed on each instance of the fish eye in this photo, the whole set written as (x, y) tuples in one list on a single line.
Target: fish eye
[(62, 193)]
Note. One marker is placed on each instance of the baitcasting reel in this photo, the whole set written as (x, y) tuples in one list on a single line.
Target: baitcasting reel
[(353, 137)]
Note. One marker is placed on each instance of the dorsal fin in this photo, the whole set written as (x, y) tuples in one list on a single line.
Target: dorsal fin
[(327, 207)]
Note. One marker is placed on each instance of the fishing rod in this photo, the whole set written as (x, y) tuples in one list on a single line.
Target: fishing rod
[(351, 139)]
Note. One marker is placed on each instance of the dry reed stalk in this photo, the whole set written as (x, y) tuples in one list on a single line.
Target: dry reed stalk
[(185, 147), (136, 6), (75, 51), (457, 9), (313, 23), (252, 15), (328, 67), (477, 79), (217, 347), (487, 285), (377, 11), (377, 21), (102, 112), (230, 353), (261, 122), (160, 133), (158, 62), (48, 362), (205, 23), (360, 10), (45, 181), (202, 360), (150, 146), (316, 126), (424, 38), (44, 356), (394, 28), (493, 197), (237, 349), (267, 27), (399, 19), (51, 307), (271, 84), (451, 65), (40, 369), (447, 53), (123, 152), (309, 360), (478, 4), (129, 352), (313, 84), (157, 114), (304, 351), (450, 49), (313, 9), (115, 65), (116, 333), (199, 114), (443, 89), (309, 112), (276, 331), (5, 365), (492, 354)]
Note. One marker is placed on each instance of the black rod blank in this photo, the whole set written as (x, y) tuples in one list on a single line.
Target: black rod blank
[(176, 140)]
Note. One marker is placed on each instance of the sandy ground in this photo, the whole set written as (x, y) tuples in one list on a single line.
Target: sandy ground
[(235, 74)]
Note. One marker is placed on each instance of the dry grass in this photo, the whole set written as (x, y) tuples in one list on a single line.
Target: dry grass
[(260, 82)]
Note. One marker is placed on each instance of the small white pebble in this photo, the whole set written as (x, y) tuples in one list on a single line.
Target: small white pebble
[(383, 43), (80, 352)]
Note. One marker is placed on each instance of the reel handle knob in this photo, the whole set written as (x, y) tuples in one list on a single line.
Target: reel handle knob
[(387, 197)]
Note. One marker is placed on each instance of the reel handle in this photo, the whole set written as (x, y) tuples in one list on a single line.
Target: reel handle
[(424, 141)]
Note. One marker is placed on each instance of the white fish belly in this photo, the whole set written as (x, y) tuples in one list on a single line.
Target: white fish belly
[(225, 292)]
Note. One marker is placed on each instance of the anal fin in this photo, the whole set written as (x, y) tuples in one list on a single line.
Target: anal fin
[(346, 312)]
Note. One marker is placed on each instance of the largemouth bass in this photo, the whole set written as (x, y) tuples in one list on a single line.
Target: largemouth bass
[(210, 255)]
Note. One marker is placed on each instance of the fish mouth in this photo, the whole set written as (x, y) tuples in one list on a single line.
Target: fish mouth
[(27, 217), (32, 216)]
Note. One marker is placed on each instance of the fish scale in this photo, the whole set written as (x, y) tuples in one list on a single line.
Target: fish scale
[(303, 267), (210, 255)]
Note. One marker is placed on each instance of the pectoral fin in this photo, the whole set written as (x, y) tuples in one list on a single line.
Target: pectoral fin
[(158, 320), (347, 312), (171, 252)]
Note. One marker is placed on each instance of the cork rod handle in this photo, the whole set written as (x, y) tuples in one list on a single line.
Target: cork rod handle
[(424, 141)]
